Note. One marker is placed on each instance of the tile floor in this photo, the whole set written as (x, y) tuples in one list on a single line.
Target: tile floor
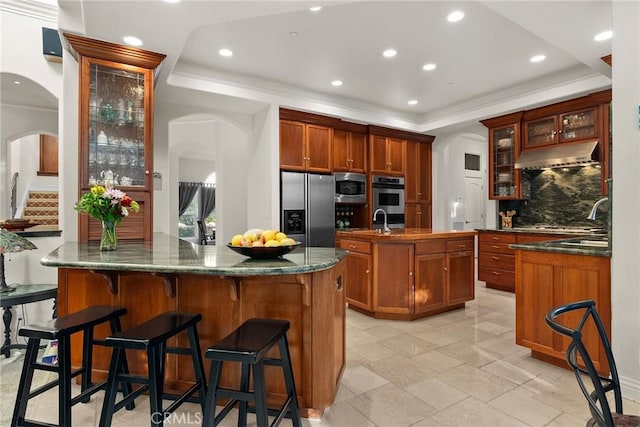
[(456, 369)]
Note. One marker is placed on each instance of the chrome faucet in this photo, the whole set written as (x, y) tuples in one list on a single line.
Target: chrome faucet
[(385, 228), (594, 209)]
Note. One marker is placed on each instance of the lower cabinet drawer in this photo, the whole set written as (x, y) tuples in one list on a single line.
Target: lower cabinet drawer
[(502, 248), (460, 245), (498, 261), (356, 245), (430, 247), (497, 276)]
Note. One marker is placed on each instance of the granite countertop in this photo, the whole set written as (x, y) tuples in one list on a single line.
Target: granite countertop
[(586, 231), (405, 234), (168, 254), (576, 246)]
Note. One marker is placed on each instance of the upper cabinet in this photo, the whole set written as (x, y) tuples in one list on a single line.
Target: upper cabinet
[(116, 128), (418, 172), (504, 143), (305, 147), (559, 128), (387, 155), (349, 151)]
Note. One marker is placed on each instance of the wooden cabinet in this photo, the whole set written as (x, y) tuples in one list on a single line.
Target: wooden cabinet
[(116, 128), (418, 173), (48, 156), (349, 151), (305, 147), (546, 280), (393, 278), (417, 215), (386, 155), (358, 273), (576, 125), (408, 279), (496, 261), (504, 148)]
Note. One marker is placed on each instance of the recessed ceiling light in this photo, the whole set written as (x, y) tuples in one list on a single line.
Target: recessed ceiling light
[(605, 35), (132, 41), (455, 16), (172, 1), (538, 58), (293, 33), (429, 67), (16, 82), (413, 102), (337, 82), (389, 53), (225, 52), (315, 8)]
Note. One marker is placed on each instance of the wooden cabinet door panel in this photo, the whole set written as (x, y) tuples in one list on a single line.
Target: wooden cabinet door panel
[(424, 215), (392, 286), (358, 146), (533, 302), (292, 151), (318, 142), (424, 173), (412, 176), (460, 267), (341, 158), (430, 282), (378, 154), (396, 156), (411, 215), (358, 280)]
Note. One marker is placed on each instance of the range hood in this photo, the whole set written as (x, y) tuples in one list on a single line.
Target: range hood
[(561, 155)]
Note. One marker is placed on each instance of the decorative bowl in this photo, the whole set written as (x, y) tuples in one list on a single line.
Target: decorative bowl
[(263, 252), (17, 224)]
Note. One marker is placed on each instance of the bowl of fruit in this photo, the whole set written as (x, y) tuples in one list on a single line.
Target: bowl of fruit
[(262, 244)]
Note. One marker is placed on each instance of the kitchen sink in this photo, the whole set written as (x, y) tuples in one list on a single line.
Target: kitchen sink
[(588, 243)]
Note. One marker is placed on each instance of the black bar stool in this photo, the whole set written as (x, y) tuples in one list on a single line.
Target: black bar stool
[(61, 329), (152, 337), (248, 345)]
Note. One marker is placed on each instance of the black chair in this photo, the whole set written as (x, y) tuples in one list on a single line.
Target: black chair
[(61, 329), (248, 345), (151, 336), (204, 238), (581, 362)]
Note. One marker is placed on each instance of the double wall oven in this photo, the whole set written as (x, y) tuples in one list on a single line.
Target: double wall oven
[(388, 194)]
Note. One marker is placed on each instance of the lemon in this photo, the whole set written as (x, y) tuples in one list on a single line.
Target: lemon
[(280, 235), (271, 243), (237, 240)]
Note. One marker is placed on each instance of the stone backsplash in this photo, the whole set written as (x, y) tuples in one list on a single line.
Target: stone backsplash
[(562, 196)]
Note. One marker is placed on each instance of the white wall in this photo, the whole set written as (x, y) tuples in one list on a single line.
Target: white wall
[(195, 170), (625, 271), (449, 174)]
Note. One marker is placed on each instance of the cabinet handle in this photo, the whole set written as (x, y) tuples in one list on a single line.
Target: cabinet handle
[(146, 172), (495, 238), (352, 246), (419, 194), (339, 286), (496, 258), (462, 246), (366, 271), (495, 273), (446, 268), (495, 246), (411, 273)]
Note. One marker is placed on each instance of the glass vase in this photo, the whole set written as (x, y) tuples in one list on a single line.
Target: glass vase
[(109, 240)]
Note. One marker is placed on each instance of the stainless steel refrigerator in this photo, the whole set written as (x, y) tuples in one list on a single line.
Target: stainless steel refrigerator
[(307, 208)]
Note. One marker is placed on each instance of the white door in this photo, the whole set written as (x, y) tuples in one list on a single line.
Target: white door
[(474, 203)]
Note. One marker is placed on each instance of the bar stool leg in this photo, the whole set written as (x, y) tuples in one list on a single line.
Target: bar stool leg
[(26, 378), (156, 375), (262, 417), (112, 389), (289, 382), (87, 360), (198, 365), (210, 403), (244, 387), (64, 380)]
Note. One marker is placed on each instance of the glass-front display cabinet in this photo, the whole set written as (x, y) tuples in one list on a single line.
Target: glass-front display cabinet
[(116, 128), (504, 148), (566, 127)]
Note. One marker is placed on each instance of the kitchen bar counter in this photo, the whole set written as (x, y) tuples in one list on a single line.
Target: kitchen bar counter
[(304, 287), (408, 273)]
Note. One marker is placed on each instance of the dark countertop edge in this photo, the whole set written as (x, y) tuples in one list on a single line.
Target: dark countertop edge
[(237, 271), (41, 233), (555, 247), (539, 231), (408, 236)]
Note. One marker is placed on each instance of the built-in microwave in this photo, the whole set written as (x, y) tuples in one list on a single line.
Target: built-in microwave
[(351, 188)]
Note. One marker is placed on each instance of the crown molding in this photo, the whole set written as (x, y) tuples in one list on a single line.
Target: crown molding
[(32, 9)]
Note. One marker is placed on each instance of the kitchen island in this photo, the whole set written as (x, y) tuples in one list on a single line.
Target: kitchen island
[(304, 287), (408, 273)]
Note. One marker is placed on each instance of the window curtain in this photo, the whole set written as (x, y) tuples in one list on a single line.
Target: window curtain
[(207, 199), (186, 193)]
